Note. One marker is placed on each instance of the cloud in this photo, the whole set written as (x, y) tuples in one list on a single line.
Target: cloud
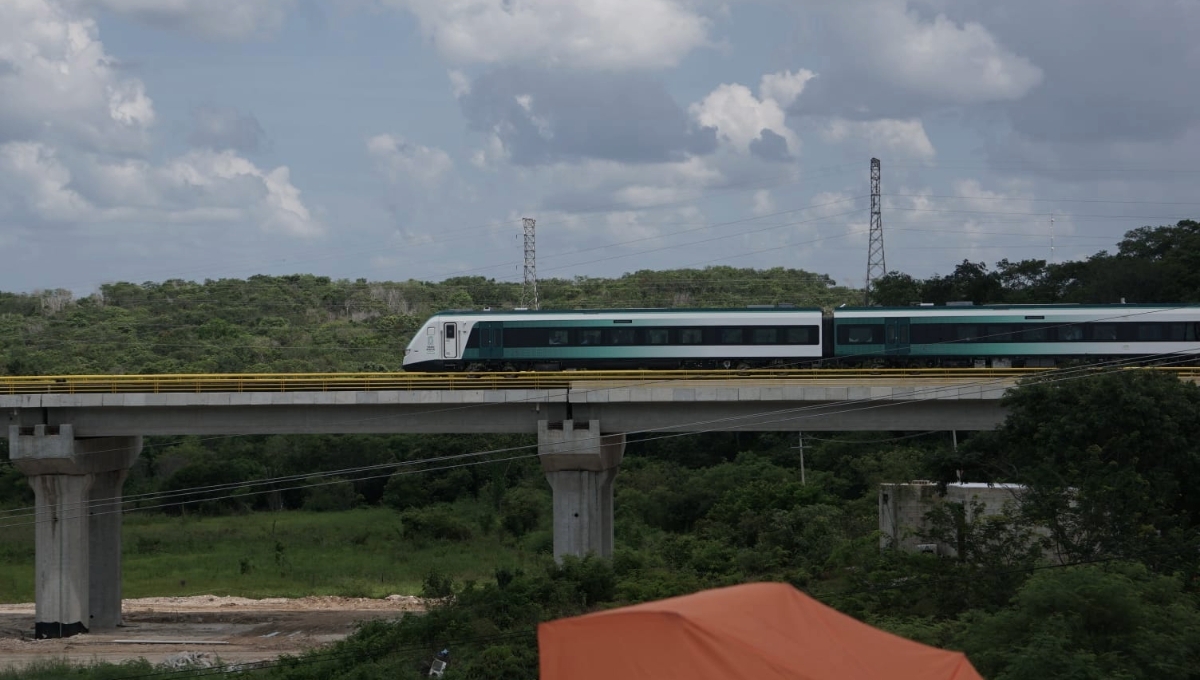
[(890, 60), (225, 128), (770, 147), (74, 138), (60, 83), (763, 203), (1120, 75), (581, 34), (897, 137), (45, 186), (401, 160), (754, 124), (541, 117), (219, 19)]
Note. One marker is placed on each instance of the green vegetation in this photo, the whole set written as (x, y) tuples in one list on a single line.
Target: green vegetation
[(1108, 590)]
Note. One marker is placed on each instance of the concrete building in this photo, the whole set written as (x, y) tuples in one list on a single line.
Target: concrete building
[(904, 508)]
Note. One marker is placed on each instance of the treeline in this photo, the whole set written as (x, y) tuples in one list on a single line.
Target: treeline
[(1151, 265), (305, 323)]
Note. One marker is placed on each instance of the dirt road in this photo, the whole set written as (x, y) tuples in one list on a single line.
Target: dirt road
[(204, 628)]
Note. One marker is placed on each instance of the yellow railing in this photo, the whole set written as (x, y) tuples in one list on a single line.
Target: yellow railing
[(328, 382)]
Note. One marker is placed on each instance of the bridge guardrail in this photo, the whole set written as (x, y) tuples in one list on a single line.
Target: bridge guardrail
[(328, 382)]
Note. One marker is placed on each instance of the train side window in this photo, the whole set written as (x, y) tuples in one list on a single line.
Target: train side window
[(589, 336), (473, 338), (691, 336), (892, 336), (1035, 333), (860, 335), (1175, 332), (966, 332), (765, 336), (1070, 333), (1104, 332), (657, 336), (800, 335), (620, 336), (560, 336), (732, 336), (999, 334), (1150, 332)]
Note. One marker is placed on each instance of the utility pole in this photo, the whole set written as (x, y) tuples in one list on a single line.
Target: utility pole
[(876, 265), (1051, 238), (800, 436), (529, 294)]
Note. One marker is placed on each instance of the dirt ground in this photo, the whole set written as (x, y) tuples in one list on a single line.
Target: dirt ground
[(205, 628)]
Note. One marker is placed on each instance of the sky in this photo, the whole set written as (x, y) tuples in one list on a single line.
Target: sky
[(146, 140)]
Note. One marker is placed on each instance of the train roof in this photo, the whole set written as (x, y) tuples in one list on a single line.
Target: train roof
[(1057, 306), (626, 310)]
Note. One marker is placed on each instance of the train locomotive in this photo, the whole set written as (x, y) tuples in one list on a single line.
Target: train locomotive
[(961, 336)]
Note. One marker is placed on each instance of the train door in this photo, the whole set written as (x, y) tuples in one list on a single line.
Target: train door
[(895, 336), (450, 341), (491, 340)]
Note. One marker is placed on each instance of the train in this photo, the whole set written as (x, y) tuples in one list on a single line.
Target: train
[(785, 336)]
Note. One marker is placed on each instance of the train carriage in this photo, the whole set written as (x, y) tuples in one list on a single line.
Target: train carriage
[(617, 339), (1011, 336)]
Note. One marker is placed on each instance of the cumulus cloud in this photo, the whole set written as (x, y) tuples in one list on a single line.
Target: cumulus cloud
[(225, 128), (221, 19), (540, 117), (890, 60), (753, 124), (898, 137), (44, 186), (74, 140), (60, 83), (584, 34), (404, 161)]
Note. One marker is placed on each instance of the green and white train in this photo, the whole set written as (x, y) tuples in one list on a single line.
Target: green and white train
[(784, 336)]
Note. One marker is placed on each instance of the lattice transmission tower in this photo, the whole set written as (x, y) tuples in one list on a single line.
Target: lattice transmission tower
[(876, 264), (529, 294)]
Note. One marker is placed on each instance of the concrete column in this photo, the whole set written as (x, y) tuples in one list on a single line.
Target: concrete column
[(61, 535), (104, 545), (580, 463), (77, 489)]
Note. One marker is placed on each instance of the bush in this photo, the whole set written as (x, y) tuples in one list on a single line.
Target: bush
[(521, 510), (439, 522), (330, 497)]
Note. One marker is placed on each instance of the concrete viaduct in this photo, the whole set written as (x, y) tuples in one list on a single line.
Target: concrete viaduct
[(77, 439)]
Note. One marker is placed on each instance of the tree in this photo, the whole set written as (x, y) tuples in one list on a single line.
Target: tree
[(1110, 463), (1091, 623)]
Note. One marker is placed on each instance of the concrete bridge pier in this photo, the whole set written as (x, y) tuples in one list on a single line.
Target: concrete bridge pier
[(580, 463), (77, 491)]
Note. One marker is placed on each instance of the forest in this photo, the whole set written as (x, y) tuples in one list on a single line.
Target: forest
[(1095, 575)]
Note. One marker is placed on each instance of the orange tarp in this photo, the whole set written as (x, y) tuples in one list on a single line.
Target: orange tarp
[(764, 631)]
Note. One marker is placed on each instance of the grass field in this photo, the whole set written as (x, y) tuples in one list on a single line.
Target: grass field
[(358, 553)]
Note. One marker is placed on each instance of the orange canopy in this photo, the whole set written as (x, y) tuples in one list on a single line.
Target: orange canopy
[(759, 630)]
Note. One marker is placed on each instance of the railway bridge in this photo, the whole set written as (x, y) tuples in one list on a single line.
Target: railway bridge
[(76, 437)]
